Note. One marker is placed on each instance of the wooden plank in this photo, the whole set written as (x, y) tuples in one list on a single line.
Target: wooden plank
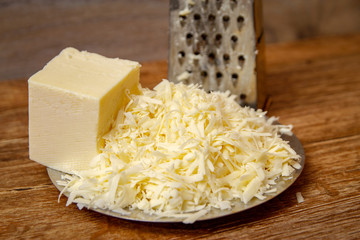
[(321, 105), (152, 73), (13, 94), (284, 55), (290, 20), (330, 208), (318, 90)]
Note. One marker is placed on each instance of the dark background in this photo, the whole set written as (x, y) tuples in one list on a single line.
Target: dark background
[(34, 31)]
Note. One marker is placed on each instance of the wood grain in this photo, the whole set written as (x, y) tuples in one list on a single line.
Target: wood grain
[(298, 19), (314, 84), (322, 86)]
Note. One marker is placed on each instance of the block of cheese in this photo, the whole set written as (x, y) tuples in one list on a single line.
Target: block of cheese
[(73, 102)]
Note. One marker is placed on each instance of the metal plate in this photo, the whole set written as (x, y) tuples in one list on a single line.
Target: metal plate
[(137, 215)]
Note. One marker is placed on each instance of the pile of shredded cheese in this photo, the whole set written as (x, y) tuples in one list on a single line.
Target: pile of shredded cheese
[(177, 151)]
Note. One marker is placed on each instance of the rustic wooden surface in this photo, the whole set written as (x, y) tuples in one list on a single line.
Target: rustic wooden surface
[(314, 84)]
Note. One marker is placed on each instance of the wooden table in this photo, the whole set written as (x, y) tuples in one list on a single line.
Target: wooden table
[(314, 84)]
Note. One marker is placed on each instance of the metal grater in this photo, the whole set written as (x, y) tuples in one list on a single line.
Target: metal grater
[(219, 45)]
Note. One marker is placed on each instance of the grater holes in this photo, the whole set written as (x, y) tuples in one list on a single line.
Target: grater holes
[(182, 20), (226, 58), (234, 40), (241, 61), (211, 57), (218, 4), (203, 36), (196, 56), (211, 17), (234, 79), (219, 77), (226, 18), (218, 38), (189, 38), (197, 17), (233, 4), (181, 56), (242, 96), (226, 21), (240, 21), (202, 43), (203, 77)]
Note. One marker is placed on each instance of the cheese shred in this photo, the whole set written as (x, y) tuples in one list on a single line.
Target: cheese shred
[(299, 197), (177, 151)]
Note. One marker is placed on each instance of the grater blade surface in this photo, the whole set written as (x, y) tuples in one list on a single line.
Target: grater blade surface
[(219, 45)]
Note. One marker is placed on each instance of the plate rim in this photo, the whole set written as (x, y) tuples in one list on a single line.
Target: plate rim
[(138, 215)]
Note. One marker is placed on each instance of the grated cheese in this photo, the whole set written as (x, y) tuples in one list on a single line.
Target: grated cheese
[(299, 197), (177, 151)]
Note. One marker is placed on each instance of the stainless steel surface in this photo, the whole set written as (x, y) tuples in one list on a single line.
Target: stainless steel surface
[(218, 44), (137, 215)]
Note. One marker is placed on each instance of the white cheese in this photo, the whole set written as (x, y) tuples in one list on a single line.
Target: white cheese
[(183, 76), (73, 102), (182, 153), (299, 197)]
